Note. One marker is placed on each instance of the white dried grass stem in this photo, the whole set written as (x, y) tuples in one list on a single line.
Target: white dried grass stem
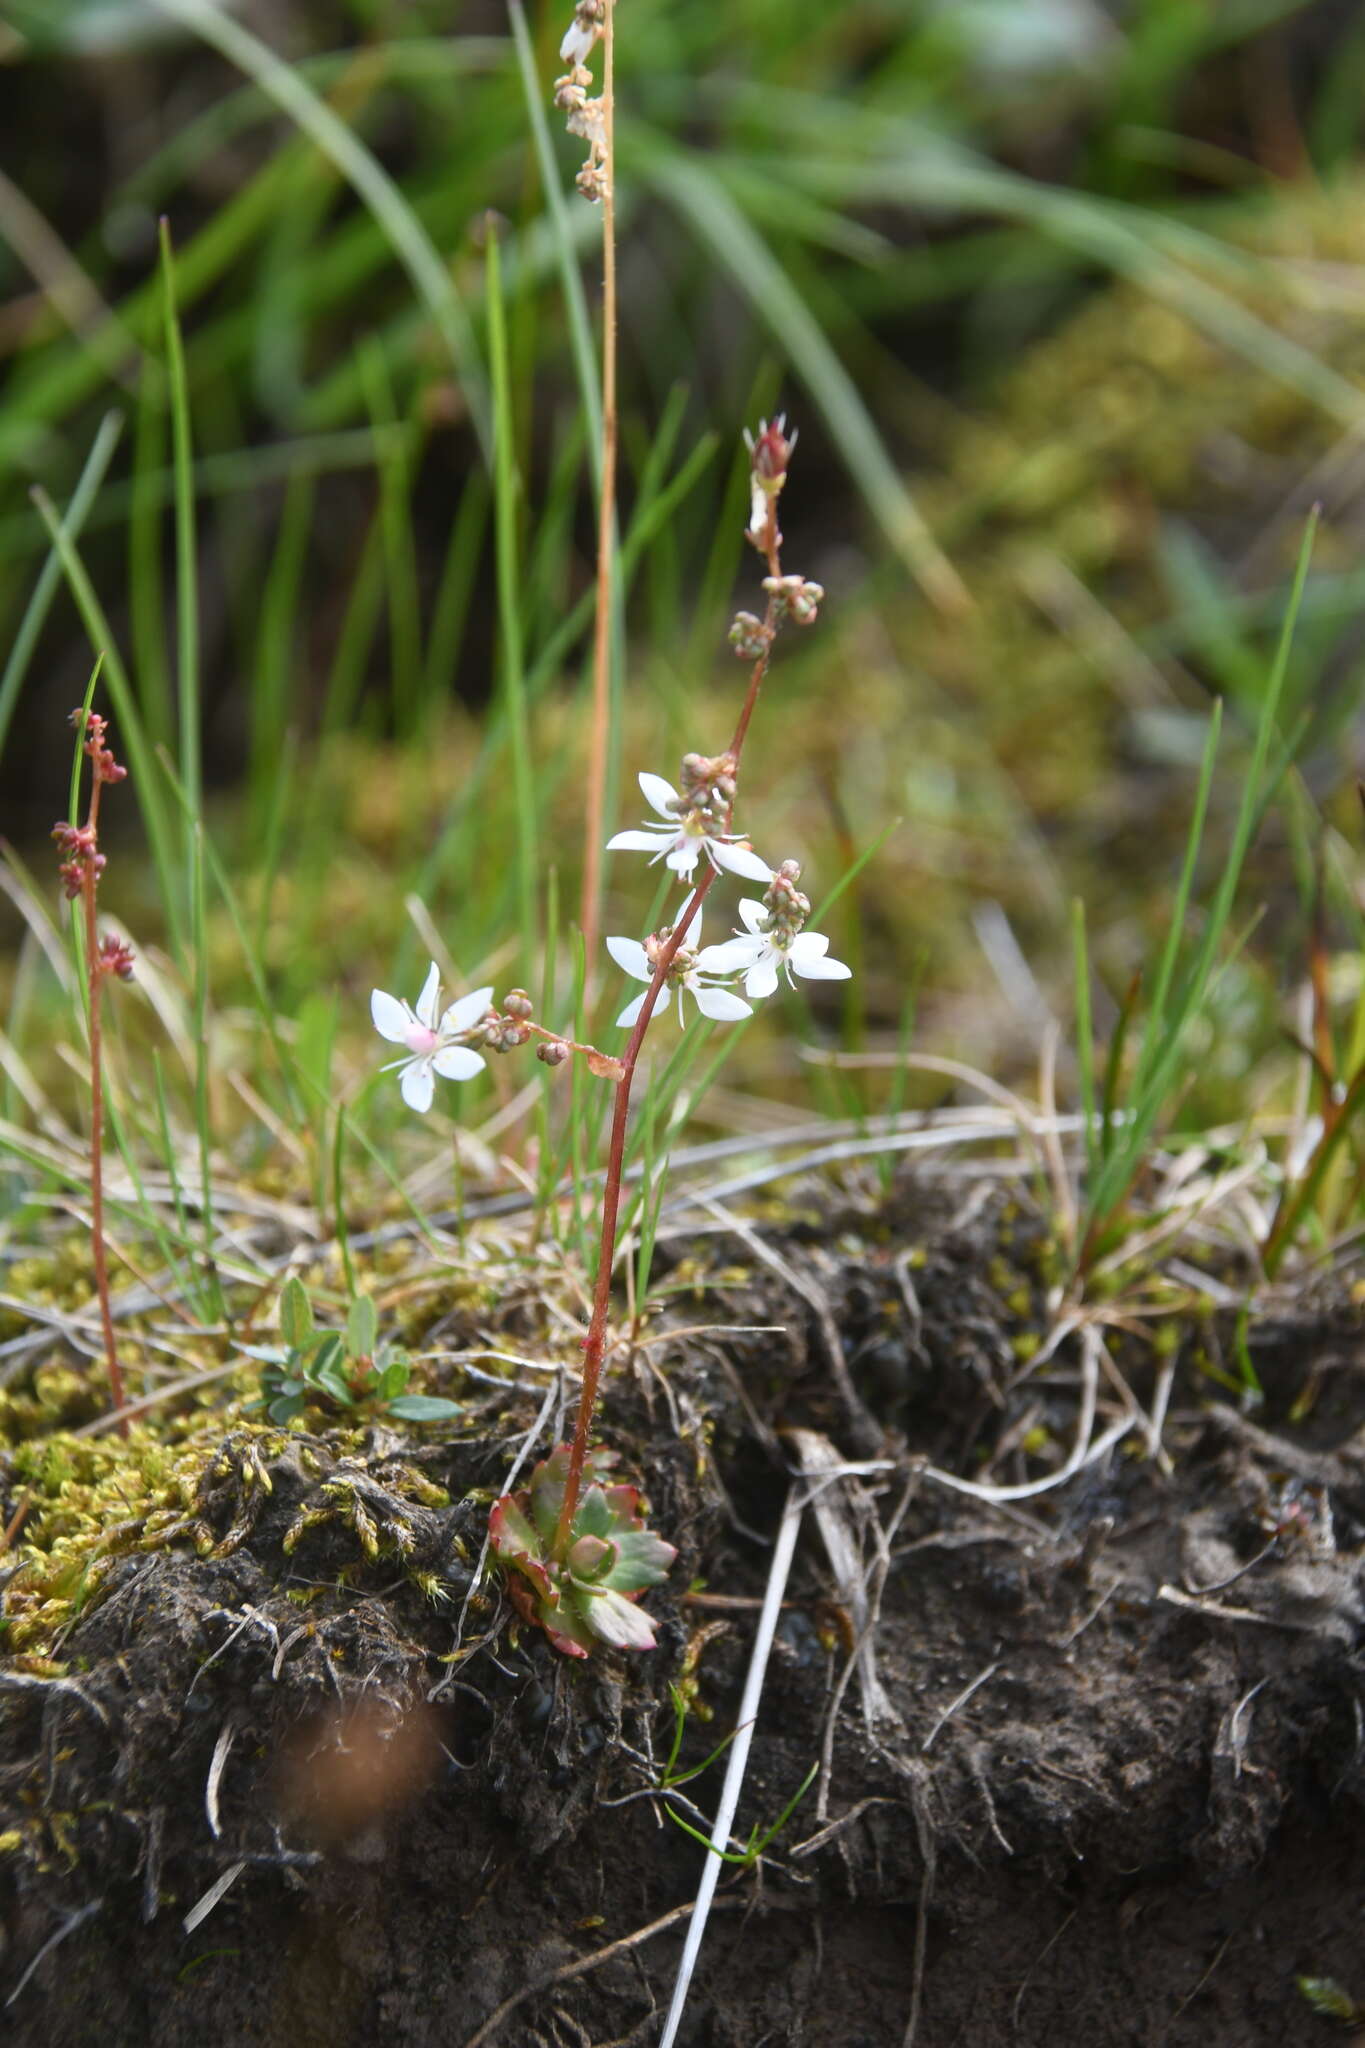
[(784, 1549)]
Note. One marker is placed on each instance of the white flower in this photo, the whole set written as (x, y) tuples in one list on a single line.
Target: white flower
[(680, 841), (720, 1003), (576, 47), (431, 1044), (757, 953)]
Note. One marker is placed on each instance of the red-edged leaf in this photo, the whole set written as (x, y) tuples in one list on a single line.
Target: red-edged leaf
[(516, 1543)]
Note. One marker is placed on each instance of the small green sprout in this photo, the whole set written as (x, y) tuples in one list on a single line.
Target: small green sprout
[(746, 1857), (1329, 1999), (587, 1597), (671, 1777), (348, 1368)]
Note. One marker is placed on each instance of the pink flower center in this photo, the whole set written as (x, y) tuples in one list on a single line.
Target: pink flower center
[(421, 1038)]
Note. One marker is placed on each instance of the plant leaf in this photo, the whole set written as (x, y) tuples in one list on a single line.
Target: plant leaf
[(362, 1327), (296, 1312), (616, 1620), (642, 1559), (423, 1408)]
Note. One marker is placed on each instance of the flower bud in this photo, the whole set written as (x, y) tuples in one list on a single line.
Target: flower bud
[(116, 958), (553, 1051), (518, 1004), (797, 595), (749, 637), (770, 449)]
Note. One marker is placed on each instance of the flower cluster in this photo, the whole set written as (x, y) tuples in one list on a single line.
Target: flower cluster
[(82, 863), (692, 833), (773, 938), (695, 822), (684, 974), (83, 858), (585, 117), (437, 1042)]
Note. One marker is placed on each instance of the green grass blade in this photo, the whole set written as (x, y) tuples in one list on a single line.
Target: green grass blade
[(1085, 1034), (406, 234), (50, 575)]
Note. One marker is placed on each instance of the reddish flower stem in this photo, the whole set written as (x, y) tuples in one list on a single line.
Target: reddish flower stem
[(95, 983), (594, 1345)]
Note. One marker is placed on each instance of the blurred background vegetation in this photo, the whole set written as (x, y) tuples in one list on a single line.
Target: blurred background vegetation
[(1067, 300)]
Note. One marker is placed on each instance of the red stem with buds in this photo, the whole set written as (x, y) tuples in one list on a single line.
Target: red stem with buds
[(80, 875), (594, 1346)]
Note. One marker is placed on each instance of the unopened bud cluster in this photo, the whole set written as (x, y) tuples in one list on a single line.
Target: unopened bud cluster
[(506, 1032), (82, 863), (83, 857), (750, 637), (116, 958), (682, 964), (96, 746), (797, 596), (787, 908), (584, 116), (707, 792)]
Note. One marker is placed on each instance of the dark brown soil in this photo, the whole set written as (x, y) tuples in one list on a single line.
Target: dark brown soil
[(1142, 1826)]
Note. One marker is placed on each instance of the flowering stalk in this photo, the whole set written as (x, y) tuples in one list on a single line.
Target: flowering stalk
[(606, 509), (80, 871), (772, 453)]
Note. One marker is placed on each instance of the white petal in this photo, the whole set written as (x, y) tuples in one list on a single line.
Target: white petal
[(758, 509), (464, 1014), (685, 854), (740, 860), (751, 914), (430, 996), (418, 1084), (761, 979), (630, 955), (816, 968), (732, 957), (458, 1062), (641, 841), (391, 1018), (632, 1010), (721, 1003), (576, 47), (807, 946), (659, 795)]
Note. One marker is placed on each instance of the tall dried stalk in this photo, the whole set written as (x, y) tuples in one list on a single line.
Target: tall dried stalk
[(599, 734)]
